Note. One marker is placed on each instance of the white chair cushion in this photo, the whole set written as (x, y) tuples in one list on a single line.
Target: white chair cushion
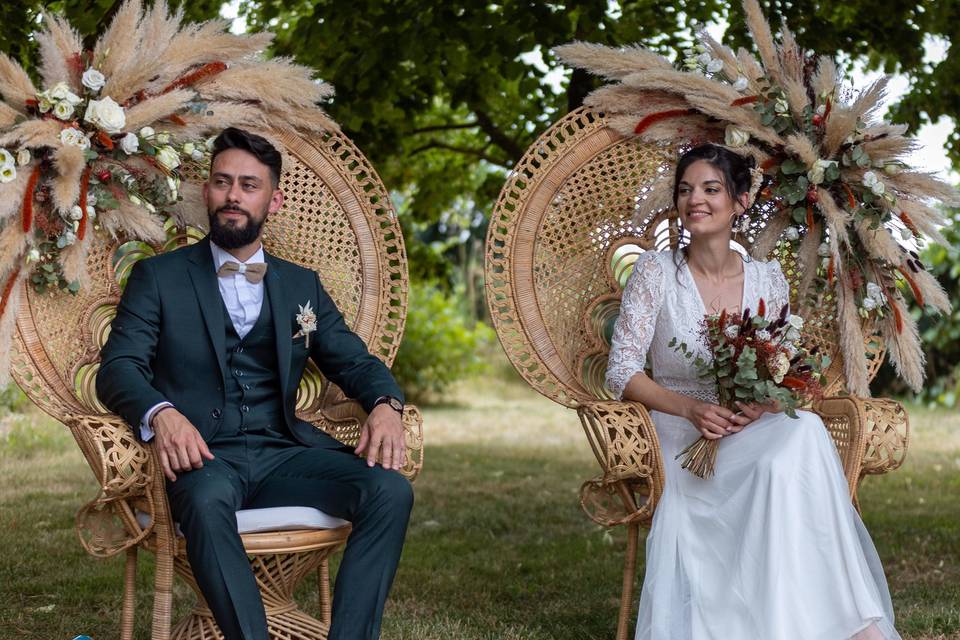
[(272, 519)]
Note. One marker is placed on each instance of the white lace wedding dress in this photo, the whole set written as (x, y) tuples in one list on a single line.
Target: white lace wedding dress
[(770, 547)]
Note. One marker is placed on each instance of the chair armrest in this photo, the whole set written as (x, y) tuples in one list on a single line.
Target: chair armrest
[(347, 431), (127, 471), (624, 440), (871, 434)]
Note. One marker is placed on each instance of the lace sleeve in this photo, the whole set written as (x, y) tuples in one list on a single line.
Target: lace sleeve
[(778, 291), (633, 331)]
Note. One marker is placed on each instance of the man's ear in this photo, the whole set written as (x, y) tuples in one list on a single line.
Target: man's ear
[(276, 201)]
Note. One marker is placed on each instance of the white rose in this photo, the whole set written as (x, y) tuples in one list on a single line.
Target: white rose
[(715, 66), (869, 304), (795, 321), (130, 144), (873, 182), (93, 79), (106, 114), (793, 334), (8, 173), (163, 138), (741, 84), (5, 157), (44, 104), (823, 250), (147, 132), (791, 233), (704, 59), (734, 137), (33, 255), (892, 168), (763, 334), (197, 155), (779, 367), (61, 92), (188, 148), (23, 157), (732, 331), (76, 212), (75, 137), (63, 110), (168, 157), (876, 293), (816, 173)]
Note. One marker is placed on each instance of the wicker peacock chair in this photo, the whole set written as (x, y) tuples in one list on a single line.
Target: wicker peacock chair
[(563, 237), (337, 220)]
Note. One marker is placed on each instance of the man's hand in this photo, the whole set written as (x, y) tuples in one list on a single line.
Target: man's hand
[(178, 443), (382, 436)]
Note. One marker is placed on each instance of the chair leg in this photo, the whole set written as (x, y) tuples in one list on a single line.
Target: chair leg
[(163, 592), (629, 579), (129, 594), (323, 587)]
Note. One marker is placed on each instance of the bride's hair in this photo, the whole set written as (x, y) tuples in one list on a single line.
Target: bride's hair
[(735, 169)]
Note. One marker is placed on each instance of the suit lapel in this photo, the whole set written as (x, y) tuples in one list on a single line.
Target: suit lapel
[(281, 318), (204, 280)]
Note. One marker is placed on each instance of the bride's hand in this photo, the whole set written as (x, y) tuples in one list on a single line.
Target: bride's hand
[(713, 421), (752, 411)]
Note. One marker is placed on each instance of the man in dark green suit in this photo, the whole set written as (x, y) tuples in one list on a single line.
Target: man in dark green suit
[(204, 358)]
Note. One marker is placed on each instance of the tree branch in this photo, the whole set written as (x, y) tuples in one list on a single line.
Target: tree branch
[(477, 153), (498, 137), (445, 127)]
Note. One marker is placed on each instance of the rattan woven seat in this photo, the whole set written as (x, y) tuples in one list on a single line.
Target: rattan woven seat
[(570, 221), (338, 221)]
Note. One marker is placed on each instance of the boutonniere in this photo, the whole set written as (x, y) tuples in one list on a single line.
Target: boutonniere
[(307, 320)]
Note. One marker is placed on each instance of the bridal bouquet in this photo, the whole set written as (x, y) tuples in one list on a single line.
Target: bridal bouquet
[(753, 360)]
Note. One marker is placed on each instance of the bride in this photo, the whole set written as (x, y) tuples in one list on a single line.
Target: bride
[(770, 547)]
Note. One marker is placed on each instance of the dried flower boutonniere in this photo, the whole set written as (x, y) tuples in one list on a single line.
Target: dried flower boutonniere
[(307, 320)]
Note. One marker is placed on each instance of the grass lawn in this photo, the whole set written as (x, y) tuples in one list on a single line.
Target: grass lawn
[(498, 547)]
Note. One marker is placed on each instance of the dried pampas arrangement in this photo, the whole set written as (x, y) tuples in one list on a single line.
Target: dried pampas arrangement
[(101, 149), (836, 189)]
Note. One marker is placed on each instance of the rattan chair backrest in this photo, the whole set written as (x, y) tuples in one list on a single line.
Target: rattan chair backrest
[(571, 219), (337, 219)]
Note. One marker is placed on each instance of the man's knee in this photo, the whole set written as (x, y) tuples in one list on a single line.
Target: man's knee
[(203, 498), (394, 492)]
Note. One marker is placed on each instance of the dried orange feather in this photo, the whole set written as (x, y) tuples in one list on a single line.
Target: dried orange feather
[(7, 289), (26, 211)]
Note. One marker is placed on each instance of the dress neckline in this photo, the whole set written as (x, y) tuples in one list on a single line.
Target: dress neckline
[(685, 268)]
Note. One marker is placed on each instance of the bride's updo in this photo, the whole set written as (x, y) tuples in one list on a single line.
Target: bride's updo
[(735, 168)]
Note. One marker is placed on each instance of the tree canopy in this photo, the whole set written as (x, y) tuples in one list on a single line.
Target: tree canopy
[(444, 97)]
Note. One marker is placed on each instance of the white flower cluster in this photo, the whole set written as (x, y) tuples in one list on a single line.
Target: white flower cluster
[(818, 171), (60, 100), (874, 299)]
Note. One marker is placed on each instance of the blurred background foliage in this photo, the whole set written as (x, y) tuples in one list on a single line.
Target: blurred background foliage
[(445, 96)]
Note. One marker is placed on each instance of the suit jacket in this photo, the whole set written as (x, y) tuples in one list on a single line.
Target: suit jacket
[(167, 343)]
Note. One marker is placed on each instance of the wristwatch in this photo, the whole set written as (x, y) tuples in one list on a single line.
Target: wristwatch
[(395, 404)]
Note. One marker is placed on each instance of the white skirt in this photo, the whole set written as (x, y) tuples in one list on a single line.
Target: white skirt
[(769, 548)]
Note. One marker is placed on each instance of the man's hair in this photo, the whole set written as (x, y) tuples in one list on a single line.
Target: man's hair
[(258, 146)]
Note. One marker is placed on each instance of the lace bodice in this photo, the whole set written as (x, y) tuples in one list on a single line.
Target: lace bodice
[(661, 302)]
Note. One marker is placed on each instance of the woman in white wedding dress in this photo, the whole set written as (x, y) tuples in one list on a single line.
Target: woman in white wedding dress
[(770, 547)]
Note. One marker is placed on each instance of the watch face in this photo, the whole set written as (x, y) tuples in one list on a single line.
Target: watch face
[(395, 404)]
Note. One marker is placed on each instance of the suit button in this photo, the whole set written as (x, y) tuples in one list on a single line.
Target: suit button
[(215, 413), (244, 408), (238, 372), (247, 387), (239, 349)]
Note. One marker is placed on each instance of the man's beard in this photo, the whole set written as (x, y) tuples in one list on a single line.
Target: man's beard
[(229, 236)]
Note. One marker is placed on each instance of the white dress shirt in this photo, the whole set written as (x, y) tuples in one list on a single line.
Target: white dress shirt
[(243, 301)]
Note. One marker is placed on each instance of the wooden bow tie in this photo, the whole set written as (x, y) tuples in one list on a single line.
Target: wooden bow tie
[(252, 271)]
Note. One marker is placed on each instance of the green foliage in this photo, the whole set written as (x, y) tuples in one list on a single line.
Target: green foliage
[(12, 399), (440, 346)]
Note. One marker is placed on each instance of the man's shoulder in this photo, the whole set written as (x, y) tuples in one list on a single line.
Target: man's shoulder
[(169, 258)]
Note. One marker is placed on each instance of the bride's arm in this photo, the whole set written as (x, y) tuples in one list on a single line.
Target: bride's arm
[(711, 420), (632, 334)]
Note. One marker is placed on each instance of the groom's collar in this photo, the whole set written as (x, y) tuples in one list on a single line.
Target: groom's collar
[(221, 255)]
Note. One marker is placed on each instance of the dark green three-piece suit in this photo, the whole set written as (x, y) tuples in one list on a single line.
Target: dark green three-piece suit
[(173, 340)]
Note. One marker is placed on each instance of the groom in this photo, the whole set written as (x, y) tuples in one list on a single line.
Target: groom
[(204, 359)]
